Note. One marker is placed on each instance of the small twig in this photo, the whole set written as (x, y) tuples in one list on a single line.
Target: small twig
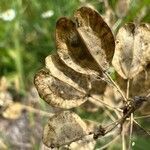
[(108, 131), (141, 127), (128, 87), (148, 95), (123, 138), (104, 130), (91, 121), (37, 111), (22, 145), (141, 117), (101, 102), (131, 130), (115, 85), (131, 116), (110, 115), (112, 141), (106, 4), (114, 124), (119, 114), (117, 24)]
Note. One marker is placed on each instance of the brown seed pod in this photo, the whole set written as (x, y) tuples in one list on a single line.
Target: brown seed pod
[(60, 86), (86, 44), (58, 93), (132, 52), (96, 35), (66, 74), (63, 128), (71, 74), (71, 49)]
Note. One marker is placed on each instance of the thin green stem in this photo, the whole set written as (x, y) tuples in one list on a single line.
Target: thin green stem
[(17, 46)]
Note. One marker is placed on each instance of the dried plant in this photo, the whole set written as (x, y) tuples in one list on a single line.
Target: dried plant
[(79, 72)]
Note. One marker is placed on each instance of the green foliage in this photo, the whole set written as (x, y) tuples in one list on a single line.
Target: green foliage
[(28, 38)]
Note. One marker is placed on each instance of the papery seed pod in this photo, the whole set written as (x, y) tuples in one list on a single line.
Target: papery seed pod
[(71, 49), (96, 35), (63, 128), (132, 52), (60, 70), (57, 93)]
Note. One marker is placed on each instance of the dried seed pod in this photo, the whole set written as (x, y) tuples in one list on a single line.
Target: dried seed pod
[(141, 55), (141, 83), (96, 35), (85, 83), (63, 128), (71, 49), (57, 93), (132, 52), (66, 74), (71, 75)]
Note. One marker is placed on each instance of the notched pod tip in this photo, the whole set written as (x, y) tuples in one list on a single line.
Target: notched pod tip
[(132, 52)]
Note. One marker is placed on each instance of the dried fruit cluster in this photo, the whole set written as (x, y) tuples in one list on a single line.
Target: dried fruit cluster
[(74, 74)]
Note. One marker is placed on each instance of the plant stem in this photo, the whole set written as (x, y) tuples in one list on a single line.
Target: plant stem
[(18, 60), (37, 111), (141, 127), (112, 141), (141, 117), (131, 129), (123, 138), (128, 88), (17, 46), (115, 85)]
